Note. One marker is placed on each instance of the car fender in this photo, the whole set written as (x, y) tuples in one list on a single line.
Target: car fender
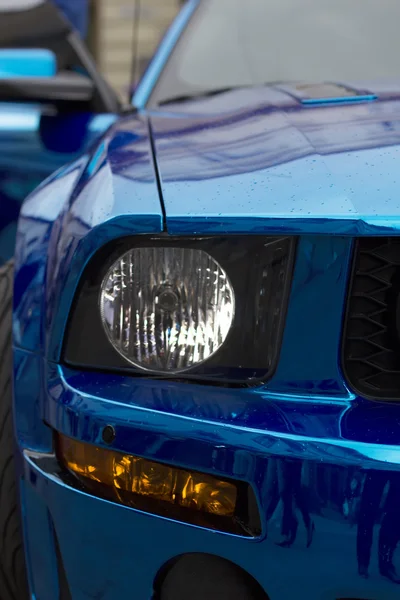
[(108, 193)]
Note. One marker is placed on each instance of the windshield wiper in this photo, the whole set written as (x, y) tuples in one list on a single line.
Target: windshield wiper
[(198, 95)]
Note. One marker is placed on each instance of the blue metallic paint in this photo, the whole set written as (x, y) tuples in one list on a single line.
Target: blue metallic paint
[(216, 434), (237, 433), (258, 160), (39, 543), (128, 542), (309, 365), (251, 161), (149, 422)]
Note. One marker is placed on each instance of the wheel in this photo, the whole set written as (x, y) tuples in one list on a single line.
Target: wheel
[(203, 576), (13, 582)]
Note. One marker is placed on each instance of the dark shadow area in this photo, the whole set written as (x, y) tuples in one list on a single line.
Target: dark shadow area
[(206, 576)]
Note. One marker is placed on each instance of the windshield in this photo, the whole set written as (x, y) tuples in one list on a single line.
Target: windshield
[(231, 43)]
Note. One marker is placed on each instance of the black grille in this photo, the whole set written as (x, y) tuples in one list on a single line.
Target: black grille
[(371, 339)]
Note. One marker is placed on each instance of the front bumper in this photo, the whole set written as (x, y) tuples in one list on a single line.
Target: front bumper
[(109, 551)]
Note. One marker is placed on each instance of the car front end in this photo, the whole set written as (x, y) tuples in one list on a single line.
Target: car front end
[(205, 355)]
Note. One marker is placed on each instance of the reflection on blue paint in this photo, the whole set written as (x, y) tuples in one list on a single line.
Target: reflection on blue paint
[(258, 160), (94, 161), (344, 100)]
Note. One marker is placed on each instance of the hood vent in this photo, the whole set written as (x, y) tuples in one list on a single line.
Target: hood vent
[(330, 93)]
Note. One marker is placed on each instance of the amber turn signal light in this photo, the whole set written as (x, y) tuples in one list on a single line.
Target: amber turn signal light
[(154, 487)]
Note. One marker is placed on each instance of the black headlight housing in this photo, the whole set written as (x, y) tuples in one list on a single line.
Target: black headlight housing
[(260, 271)]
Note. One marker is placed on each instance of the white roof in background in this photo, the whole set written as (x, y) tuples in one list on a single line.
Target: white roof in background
[(16, 5)]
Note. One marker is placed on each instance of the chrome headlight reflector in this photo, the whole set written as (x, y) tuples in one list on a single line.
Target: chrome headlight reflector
[(166, 309)]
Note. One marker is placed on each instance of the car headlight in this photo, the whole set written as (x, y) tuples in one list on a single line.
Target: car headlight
[(166, 309), (209, 308)]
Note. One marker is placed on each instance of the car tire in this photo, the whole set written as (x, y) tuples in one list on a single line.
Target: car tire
[(13, 581), (207, 577)]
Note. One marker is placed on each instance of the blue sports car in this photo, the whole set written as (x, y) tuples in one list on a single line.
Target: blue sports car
[(200, 366)]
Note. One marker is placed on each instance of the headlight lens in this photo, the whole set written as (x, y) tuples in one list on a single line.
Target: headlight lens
[(166, 309)]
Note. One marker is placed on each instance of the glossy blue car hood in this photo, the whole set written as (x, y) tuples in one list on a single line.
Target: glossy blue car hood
[(282, 159)]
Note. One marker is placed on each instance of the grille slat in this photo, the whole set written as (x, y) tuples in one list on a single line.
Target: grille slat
[(371, 349)]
